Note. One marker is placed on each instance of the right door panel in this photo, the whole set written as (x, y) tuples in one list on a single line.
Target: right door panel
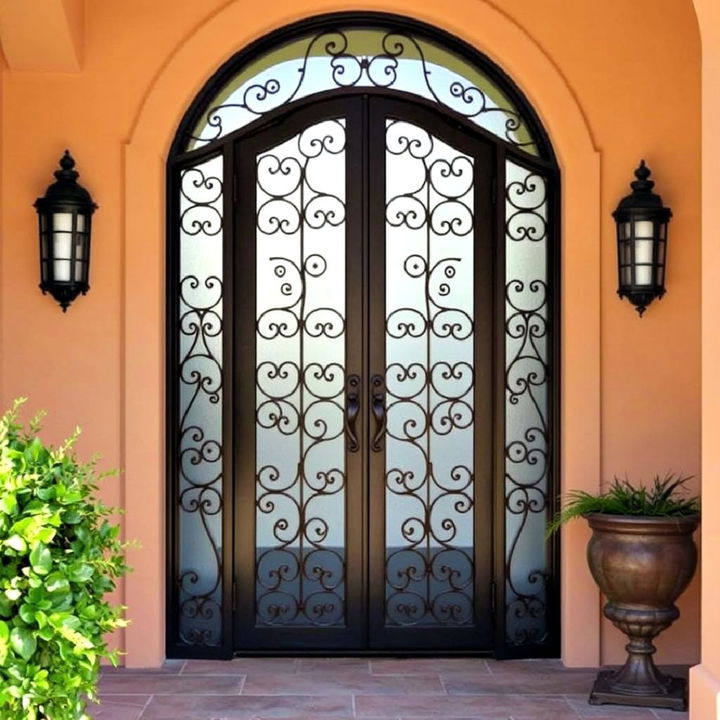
[(430, 360)]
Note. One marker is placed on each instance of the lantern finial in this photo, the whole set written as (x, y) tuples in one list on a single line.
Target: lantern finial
[(642, 184), (67, 163)]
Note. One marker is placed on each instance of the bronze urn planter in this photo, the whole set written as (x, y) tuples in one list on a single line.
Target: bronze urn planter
[(642, 564)]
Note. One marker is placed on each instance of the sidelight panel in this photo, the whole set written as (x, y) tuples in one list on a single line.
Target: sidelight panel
[(300, 380), (200, 396), (429, 380), (527, 491)]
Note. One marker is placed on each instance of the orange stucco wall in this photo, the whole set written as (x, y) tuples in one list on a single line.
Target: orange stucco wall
[(613, 82)]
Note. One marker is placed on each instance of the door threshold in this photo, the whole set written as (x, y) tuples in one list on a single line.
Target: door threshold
[(363, 653)]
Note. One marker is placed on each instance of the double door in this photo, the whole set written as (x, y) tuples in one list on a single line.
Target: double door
[(363, 375)]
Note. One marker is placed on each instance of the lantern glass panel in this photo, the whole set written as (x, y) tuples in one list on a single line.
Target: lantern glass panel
[(625, 263), (80, 268), (62, 245), (626, 253), (80, 247), (626, 275), (62, 221), (61, 270), (44, 251), (624, 230), (644, 229), (80, 222), (643, 262), (660, 272)]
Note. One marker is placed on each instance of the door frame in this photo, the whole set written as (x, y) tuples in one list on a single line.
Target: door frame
[(550, 648), (364, 112)]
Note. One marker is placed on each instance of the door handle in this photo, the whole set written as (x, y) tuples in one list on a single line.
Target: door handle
[(352, 409), (378, 410)]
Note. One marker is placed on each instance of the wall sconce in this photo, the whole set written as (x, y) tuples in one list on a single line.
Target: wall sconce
[(64, 215), (642, 242)]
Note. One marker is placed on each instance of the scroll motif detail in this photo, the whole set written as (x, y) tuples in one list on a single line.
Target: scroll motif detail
[(301, 382), (347, 57), (200, 377), (527, 501), (429, 344)]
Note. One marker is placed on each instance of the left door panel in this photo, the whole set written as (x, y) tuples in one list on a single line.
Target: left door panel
[(298, 360)]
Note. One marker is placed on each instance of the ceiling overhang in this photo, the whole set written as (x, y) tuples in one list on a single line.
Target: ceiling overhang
[(42, 35)]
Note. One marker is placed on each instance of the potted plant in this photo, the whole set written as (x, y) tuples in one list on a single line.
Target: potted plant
[(642, 556), (59, 557)]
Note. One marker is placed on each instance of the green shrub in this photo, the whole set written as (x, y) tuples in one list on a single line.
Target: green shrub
[(666, 496), (59, 556)]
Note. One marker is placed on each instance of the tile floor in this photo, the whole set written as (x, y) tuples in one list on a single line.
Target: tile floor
[(349, 688)]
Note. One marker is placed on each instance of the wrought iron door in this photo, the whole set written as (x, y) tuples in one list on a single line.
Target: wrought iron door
[(363, 308)]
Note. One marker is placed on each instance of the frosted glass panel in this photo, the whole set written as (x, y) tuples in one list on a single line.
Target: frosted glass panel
[(362, 57), (429, 341), (300, 380), (526, 404), (200, 403)]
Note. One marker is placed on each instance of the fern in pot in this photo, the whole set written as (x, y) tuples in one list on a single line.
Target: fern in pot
[(60, 555), (642, 556)]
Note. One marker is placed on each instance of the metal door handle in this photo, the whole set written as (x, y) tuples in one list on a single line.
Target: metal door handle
[(378, 410), (352, 409)]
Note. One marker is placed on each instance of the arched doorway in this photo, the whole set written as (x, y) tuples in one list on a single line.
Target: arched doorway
[(362, 271)]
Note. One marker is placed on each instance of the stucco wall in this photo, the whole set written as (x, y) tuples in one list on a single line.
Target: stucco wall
[(633, 71)]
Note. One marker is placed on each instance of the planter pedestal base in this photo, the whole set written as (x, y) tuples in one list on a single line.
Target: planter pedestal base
[(639, 682), (604, 693), (641, 564)]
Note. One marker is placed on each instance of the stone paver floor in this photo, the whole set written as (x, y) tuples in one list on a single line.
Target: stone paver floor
[(349, 688)]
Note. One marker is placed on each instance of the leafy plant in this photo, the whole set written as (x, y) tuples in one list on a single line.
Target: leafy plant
[(59, 556), (666, 496)]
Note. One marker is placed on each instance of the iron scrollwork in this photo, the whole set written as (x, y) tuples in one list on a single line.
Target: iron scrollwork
[(301, 383), (526, 383), (339, 58), (200, 502), (429, 416)]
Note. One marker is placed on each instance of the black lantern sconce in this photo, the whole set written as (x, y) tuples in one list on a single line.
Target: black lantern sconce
[(642, 242), (64, 215)]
